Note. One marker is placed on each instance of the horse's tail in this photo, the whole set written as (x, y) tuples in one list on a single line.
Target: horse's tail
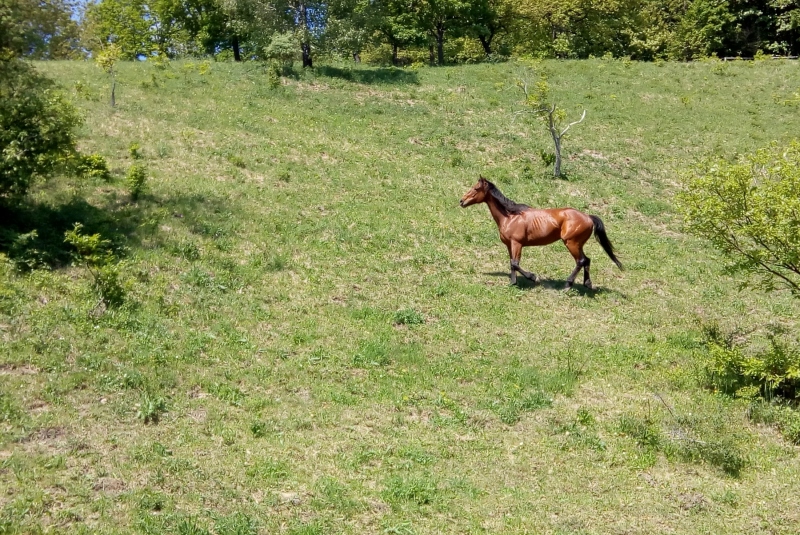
[(602, 237)]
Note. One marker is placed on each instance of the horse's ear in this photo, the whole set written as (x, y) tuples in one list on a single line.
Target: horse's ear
[(481, 179)]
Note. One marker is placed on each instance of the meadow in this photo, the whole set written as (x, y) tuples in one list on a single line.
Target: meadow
[(316, 338)]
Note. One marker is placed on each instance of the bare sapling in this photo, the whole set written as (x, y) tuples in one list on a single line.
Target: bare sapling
[(537, 102)]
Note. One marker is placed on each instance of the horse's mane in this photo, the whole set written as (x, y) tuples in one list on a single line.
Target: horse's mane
[(506, 205)]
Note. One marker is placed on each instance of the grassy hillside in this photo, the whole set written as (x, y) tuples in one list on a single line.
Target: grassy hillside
[(328, 343)]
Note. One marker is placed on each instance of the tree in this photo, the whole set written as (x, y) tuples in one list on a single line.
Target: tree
[(39, 29), (487, 18), (395, 21), (127, 24), (36, 126), (750, 210), (439, 19), (260, 20), (537, 100), (702, 29)]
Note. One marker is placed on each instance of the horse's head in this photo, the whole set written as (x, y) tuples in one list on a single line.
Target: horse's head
[(476, 194)]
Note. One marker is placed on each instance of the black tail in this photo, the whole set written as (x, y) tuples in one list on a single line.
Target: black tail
[(602, 237)]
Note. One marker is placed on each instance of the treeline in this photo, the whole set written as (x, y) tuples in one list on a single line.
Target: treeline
[(435, 31)]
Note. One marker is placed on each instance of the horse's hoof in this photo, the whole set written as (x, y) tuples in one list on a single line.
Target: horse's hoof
[(588, 285)]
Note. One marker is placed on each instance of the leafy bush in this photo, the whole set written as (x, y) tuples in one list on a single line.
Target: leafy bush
[(408, 316), (95, 254), (150, 408), (749, 211), (732, 369), (93, 166), (282, 49), (690, 439), (783, 416), (137, 180), (770, 378), (36, 127)]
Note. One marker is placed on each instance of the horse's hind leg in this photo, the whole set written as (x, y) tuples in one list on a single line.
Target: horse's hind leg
[(515, 250), (581, 261), (587, 281)]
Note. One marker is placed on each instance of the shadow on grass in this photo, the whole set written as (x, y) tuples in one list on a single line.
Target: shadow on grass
[(380, 75), (32, 234), (558, 285)]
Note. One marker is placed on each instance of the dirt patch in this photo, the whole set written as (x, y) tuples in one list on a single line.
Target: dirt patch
[(46, 434), (109, 484), (17, 369)]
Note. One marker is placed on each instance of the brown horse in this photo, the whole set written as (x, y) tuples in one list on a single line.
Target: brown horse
[(520, 226)]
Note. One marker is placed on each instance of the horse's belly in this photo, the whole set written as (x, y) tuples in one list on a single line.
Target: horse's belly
[(536, 237)]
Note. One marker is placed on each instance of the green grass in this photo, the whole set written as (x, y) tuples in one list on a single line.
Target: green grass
[(315, 338)]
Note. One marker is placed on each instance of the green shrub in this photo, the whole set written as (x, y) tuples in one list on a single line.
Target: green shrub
[(748, 210), (769, 373), (282, 49), (95, 254), (135, 151), (408, 316), (137, 180), (36, 127), (785, 417), (93, 166), (151, 408)]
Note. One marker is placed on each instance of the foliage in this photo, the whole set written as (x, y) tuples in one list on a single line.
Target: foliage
[(39, 29), (702, 29), (125, 24), (93, 166), (537, 100), (749, 210), (768, 377), (749, 373), (408, 316), (786, 417), (282, 49), (36, 127), (95, 254), (136, 180), (151, 408)]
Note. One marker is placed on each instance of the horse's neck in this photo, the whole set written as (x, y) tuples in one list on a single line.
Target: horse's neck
[(497, 214)]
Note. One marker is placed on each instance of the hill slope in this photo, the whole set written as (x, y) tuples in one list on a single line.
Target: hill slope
[(333, 339)]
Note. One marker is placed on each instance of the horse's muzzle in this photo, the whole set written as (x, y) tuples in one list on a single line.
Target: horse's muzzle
[(461, 203)]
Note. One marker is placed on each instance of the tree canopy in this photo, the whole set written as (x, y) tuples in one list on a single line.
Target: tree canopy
[(439, 30)]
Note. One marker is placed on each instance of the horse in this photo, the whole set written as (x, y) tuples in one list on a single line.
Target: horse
[(521, 226)]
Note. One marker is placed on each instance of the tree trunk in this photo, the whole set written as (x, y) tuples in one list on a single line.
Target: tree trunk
[(113, 87), (237, 55), (486, 41), (440, 45), (557, 143), (394, 54), (305, 46), (356, 57)]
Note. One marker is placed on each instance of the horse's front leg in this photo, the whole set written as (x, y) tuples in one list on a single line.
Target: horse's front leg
[(515, 251), (513, 276)]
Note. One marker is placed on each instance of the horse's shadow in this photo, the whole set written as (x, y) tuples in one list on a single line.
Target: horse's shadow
[(558, 284)]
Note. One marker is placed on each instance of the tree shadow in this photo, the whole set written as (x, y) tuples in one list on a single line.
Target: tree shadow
[(380, 75), (558, 285), (32, 234)]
